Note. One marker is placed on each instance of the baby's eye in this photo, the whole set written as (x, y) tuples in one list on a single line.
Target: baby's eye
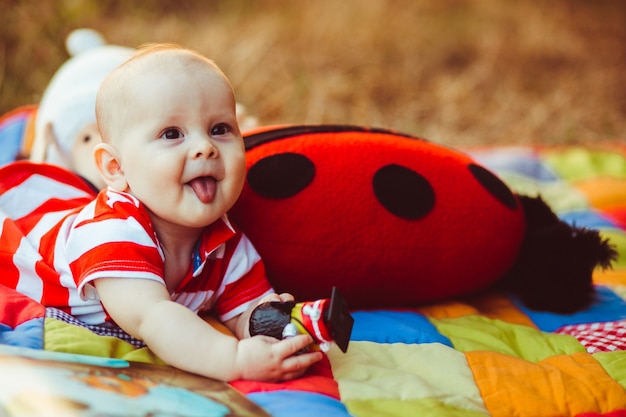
[(220, 129), (171, 133)]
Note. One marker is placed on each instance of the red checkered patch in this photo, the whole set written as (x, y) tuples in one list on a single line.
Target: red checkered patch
[(598, 337)]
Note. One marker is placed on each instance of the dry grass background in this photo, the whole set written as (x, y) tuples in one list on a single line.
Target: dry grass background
[(458, 72)]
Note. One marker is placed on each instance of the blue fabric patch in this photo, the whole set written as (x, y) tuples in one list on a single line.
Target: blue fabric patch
[(28, 334), (385, 326), (608, 307), (11, 135), (298, 403), (516, 163), (588, 219)]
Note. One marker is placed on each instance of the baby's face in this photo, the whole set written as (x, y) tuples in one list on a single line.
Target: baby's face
[(179, 144)]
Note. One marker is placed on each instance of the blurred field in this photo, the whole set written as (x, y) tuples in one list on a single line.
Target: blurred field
[(458, 72)]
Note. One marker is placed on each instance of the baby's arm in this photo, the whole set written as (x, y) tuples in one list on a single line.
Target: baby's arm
[(182, 339)]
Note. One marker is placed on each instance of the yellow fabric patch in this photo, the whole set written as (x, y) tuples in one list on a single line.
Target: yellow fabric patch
[(60, 336), (563, 385), (472, 333), (405, 372)]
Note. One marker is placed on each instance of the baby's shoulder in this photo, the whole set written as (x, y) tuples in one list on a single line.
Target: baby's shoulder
[(115, 210)]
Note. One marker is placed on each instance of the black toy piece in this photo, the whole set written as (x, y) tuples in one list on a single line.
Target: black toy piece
[(556, 262), (326, 320)]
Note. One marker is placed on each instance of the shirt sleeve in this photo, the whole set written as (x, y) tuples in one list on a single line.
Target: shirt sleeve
[(112, 238)]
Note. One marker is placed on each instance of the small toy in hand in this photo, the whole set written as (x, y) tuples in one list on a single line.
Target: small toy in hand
[(326, 320)]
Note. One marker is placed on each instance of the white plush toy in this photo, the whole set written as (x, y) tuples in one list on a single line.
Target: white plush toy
[(65, 125)]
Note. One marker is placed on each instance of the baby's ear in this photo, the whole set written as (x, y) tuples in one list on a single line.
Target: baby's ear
[(108, 164)]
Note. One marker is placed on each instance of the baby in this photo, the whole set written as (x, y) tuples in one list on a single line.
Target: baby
[(155, 248)]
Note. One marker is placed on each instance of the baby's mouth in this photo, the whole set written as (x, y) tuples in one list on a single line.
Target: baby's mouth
[(204, 187)]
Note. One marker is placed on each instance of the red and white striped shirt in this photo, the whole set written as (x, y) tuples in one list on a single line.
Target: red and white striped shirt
[(56, 239)]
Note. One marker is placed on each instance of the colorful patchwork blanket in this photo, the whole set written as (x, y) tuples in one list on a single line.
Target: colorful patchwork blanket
[(479, 356)]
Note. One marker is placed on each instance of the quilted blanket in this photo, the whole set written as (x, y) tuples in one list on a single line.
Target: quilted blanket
[(485, 355)]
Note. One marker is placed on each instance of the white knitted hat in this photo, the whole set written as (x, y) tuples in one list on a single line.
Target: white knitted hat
[(69, 101)]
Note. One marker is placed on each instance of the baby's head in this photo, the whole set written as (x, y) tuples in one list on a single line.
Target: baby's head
[(170, 135)]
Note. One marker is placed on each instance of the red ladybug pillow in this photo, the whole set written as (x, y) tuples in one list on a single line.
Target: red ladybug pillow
[(388, 218)]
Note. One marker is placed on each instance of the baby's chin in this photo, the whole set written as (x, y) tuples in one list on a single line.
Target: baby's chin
[(208, 213), (200, 221)]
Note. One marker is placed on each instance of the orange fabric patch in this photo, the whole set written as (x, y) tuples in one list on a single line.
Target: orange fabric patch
[(557, 386), (604, 192), (447, 310), (492, 305), (498, 307), (610, 276)]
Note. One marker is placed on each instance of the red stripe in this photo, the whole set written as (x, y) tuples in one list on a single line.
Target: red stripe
[(14, 174), (123, 209), (47, 243), (9, 242), (54, 294), (28, 222), (137, 258), (16, 308)]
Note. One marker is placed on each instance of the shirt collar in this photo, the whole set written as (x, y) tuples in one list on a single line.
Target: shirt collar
[(211, 240)]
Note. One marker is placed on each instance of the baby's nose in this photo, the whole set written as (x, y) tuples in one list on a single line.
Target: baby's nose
[(204, 148)]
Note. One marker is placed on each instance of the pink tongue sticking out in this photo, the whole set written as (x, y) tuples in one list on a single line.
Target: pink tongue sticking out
[(204, 188)]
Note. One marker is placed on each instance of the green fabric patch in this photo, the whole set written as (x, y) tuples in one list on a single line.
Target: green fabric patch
[(472, 333), (60, 336), (581, 163), (420, 407), (615, 365), (560, 195), (618, 239)]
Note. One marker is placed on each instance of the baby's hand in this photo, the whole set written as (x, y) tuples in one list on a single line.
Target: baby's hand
[(284, 297), (263, 358)]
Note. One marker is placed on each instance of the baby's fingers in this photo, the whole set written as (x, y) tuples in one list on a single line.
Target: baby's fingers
[(292, 345), (296, 366), (284, 297)]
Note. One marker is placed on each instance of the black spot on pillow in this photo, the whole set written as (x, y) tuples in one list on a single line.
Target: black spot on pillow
[(494, 185), (403, 192), (281, 175)]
